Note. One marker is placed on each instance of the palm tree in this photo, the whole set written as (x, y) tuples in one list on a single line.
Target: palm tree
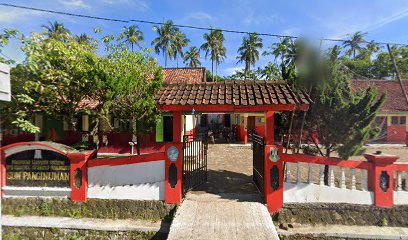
[(132, 35), (271, 72), (354, 43), (180, 41), (165, 42), (192, 56), (220, 57), (83, 38), (249, 51), (56, 30), (373, 47), (214, 46)]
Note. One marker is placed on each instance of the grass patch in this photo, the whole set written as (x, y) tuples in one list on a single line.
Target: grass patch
[(23, 233), (92, 208)]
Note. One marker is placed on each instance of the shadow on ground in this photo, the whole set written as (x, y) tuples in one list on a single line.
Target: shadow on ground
[(230, 185)]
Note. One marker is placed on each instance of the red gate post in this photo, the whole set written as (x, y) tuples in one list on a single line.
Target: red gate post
[(79, 168), (381, 178), (3, 176), (174, 166), (273, 170)]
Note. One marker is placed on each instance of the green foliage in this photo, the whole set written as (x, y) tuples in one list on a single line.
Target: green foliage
[(192, 57), (354, 43), (209, 77), (132, 36), (242, 75), (63, 77), (130, 81), (214, 48), (342, 119), (4, 40), (170, 41), (58, 77), (249, 51)]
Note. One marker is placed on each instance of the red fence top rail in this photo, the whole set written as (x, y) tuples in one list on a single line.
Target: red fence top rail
[(400, 167), (115, 161), (326, 160)]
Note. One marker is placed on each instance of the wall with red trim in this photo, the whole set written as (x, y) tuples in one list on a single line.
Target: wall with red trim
[(132, 177), (396, 134)]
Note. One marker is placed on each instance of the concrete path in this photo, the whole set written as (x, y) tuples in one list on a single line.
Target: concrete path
[(344, 231), (84, 223), (221, 216)]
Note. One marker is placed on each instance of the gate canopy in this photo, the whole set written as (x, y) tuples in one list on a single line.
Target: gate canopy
[(231, 96)]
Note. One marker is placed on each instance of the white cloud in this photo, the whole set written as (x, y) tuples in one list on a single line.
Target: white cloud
[(198, 16), (141, 5), (231, 70), (74, 4), (254, 18), (8, 16), (341, 26)]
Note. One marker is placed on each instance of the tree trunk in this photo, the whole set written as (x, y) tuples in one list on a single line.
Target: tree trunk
[(165, 60), (216, 69), (212, 69), (138, 144), (326, 169), (249, 70)]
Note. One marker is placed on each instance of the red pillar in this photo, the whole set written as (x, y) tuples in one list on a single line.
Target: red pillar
[(79, 168), (273, 171), (3, 176), (381, 179), (174, 166)]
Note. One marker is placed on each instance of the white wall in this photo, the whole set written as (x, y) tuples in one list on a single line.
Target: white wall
[(140, 181), (189, 122), (312, 193), (401, 197)]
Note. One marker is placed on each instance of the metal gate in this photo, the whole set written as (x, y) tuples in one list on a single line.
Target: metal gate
[(258, 151), (194, 161)]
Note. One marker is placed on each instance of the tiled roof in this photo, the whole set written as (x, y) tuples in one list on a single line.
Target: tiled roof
[(183, 75), (238, 93), (395, 99)]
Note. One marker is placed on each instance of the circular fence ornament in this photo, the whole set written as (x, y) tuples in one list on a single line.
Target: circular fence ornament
[(273, 155), (173, 153)]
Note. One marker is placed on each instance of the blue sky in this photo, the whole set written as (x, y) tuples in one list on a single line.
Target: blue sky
[(385, 21)]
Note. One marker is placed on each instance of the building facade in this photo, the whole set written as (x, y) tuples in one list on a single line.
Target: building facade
[(393, 115)]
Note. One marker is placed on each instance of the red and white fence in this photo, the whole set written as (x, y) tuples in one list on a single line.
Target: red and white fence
[(379, 181)]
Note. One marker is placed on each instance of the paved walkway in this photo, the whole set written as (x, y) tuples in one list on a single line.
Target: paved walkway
[(84, 223), (209, 216), (228, 206)]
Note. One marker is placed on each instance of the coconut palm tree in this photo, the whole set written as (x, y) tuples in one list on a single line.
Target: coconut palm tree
[(192, 57), (165, 42), (83, 38), (373, 47), (271, 72), (249, 51), (214, 47), (180, 41), (219, 58), (354, 43), (132, 36), (56, 30)]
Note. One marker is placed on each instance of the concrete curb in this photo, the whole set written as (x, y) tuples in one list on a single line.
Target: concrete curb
[(85, 223), (343, 231)]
